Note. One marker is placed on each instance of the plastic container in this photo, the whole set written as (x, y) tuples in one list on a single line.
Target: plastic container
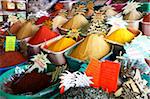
[(145, 7), (35, 49), (2, 70), (74, 63), (118, 7), (39, 95), (133, 24), (62, 31), (146, 28), (57, 58), (116, 43)]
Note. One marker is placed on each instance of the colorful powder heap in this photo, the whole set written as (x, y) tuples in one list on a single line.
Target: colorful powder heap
[(43, 34), (11, 59), (22, 84)]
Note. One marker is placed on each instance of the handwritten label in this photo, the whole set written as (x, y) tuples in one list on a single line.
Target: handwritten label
[(10, 5), (105, 74), (109, 75), (93, 70), (10, 43), (21, 6)]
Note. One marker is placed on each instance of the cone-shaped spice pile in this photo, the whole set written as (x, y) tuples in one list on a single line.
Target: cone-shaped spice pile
[(93, 46), (78, 21), (121, 36), (61, 44), (27, 30), (43, 34), (23, 84)]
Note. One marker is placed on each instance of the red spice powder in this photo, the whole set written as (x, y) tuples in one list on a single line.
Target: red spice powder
[(146, 18), (41, 20), (134, 31), (43, 34), (11, 59), (59, 6), (31, 82)]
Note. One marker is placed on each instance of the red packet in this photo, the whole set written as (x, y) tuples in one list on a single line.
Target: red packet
[(105, 74), (109, 75)]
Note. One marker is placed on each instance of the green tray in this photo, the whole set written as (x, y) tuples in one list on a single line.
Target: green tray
[(42, 94), (75, 64)]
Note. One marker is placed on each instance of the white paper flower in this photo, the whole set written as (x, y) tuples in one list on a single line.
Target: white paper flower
[(76, 79), (138, 49), (131, 6), (117, 21), (40, 62), (19, 70), (41, 13), (38, 14)]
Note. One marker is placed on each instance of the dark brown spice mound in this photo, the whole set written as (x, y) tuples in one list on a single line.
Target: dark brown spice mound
[(29, 83)]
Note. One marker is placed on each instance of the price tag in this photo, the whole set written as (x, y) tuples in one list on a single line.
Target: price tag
[(10, 5), (105, 74), (10, 43), (21, 6)]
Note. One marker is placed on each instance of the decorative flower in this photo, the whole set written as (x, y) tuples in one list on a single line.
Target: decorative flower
[(98, 24), (117, 21), (41, 13), (19, 70), (131, 6), (76, 79), (109, 10), (81, 9), (137, 51), (98, 16), (74, 33), (38, 14), (40, 62), (105, 8)]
